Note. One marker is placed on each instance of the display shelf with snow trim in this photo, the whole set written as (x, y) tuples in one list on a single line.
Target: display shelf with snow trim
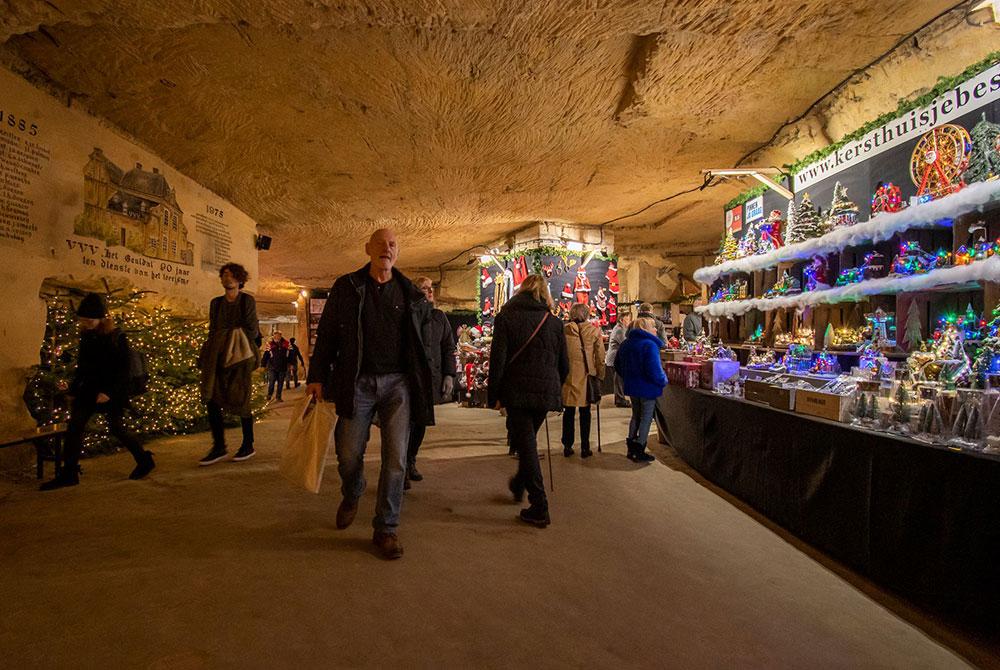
[(959, 277), (879, 228)]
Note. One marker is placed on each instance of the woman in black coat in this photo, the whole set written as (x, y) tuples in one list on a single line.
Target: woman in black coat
[(100, 384), (528, 365)]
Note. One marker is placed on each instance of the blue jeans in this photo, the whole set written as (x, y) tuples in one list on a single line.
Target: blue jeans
[(388, 396), (275, 377), (642, 417)]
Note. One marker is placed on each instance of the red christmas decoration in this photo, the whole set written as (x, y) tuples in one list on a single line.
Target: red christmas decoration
[(887, 198), (612, 276), (581, 286)]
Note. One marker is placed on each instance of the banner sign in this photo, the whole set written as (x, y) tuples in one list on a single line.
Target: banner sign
[(964, 98), (754, 209), (734, 218)]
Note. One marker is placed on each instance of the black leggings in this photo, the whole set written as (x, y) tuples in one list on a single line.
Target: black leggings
[(80, 413), (569, 420), (219, 429)]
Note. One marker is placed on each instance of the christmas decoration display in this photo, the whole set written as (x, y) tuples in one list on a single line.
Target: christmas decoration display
[(864, 410), (887, 198), (828, 336), (172, 402), (871, 267), (901, 411), (984, 164), (612, 277), (798, 358), (881, 328), (939, 159), (843, 211), (807, 224), (816, 275), (758, 334), (748, 244), (845, 336), (786, 285), (929, 419), (770, 233), (968, 428), (952, 365), (581, 286), (723, 353), (760, 360), (825, 364), (728, 249), (913, 337), (971, 325), (735, 291), (912, 260), (986, 360)]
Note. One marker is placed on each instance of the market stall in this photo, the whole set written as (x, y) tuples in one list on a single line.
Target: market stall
[(852, 391)]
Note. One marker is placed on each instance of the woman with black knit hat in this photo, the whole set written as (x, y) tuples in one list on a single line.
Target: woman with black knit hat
[(100, 384)]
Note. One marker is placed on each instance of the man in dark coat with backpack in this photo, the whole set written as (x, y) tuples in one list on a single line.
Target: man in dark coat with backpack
[(101, 384)]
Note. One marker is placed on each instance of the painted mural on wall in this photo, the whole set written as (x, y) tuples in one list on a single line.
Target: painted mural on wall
[(137, 210), (573, 279), (81, 202)]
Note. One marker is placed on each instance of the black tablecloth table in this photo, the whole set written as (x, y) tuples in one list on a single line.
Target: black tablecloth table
[(921, 520)]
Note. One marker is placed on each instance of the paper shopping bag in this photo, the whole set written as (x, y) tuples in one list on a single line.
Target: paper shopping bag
[(306, 443), (238, 348)]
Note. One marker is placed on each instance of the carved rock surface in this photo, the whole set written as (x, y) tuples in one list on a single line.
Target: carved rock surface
[(455, 121)]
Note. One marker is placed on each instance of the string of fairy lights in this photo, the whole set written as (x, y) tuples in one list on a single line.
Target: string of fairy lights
[(172, 403)]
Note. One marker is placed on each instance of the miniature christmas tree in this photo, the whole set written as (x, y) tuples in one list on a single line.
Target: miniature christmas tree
[(728, 250), (901, 407), (913, 337), (807, 223), (748, 243), (985, 161), (843, 211)]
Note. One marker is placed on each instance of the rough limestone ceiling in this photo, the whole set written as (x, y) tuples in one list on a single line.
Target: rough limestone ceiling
[(455, 121)]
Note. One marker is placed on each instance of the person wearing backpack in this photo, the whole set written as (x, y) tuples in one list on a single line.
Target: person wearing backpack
[(638, 362), (100, 384), (528, 365)]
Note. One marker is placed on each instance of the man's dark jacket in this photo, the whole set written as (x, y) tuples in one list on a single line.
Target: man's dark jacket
[(336, 357), (439, 344), (534, 380)]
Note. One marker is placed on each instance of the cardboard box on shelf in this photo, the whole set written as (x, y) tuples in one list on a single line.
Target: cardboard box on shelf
[(824, 405), (768, 394)]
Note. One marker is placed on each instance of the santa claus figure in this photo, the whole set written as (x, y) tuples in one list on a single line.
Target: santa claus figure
[(487, 307), (612, 276), (567, 292), (519, 272), (487, 278), (612, 310), (564, 306), (601, 304), (581, 286), (770, 233)]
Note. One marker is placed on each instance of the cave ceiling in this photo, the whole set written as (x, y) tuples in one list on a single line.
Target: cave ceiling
[(453, 121)]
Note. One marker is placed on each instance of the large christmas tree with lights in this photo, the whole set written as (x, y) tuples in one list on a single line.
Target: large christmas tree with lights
[(172, 402)]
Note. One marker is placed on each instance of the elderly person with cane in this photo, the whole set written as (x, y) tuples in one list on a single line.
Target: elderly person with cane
[(582, 387), (528, 365)]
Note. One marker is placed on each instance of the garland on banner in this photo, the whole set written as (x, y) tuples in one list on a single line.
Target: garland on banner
[(943, 84)]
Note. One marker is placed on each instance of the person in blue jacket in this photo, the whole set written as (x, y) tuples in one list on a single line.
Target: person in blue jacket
[(638, 363)]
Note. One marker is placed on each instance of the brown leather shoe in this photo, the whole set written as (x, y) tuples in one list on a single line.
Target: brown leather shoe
[(388, 545), (346, 512)]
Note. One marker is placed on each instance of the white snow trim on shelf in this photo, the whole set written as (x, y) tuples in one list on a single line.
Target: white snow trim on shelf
[(881, 227), (987, 270)]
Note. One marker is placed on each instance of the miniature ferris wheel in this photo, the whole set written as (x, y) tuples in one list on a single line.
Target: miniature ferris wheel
[(939, 159)]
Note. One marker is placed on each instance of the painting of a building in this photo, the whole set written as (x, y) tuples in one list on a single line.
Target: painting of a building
[(136, 209)]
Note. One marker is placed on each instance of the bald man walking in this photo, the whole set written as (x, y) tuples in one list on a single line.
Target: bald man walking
[(369, 359)]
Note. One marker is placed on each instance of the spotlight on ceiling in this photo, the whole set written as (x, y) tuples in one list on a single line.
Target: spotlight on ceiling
[(756, 173), (262, 242)]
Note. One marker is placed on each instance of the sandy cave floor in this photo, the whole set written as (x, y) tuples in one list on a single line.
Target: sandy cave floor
[(230, 566)]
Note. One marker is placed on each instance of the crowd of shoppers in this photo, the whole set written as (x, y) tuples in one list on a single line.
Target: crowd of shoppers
[(384, 354)]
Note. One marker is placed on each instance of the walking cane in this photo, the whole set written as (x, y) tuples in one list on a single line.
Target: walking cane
[(598, 425), (548, 447)]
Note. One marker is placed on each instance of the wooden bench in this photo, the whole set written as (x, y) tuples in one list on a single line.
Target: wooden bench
[(48, 445)]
